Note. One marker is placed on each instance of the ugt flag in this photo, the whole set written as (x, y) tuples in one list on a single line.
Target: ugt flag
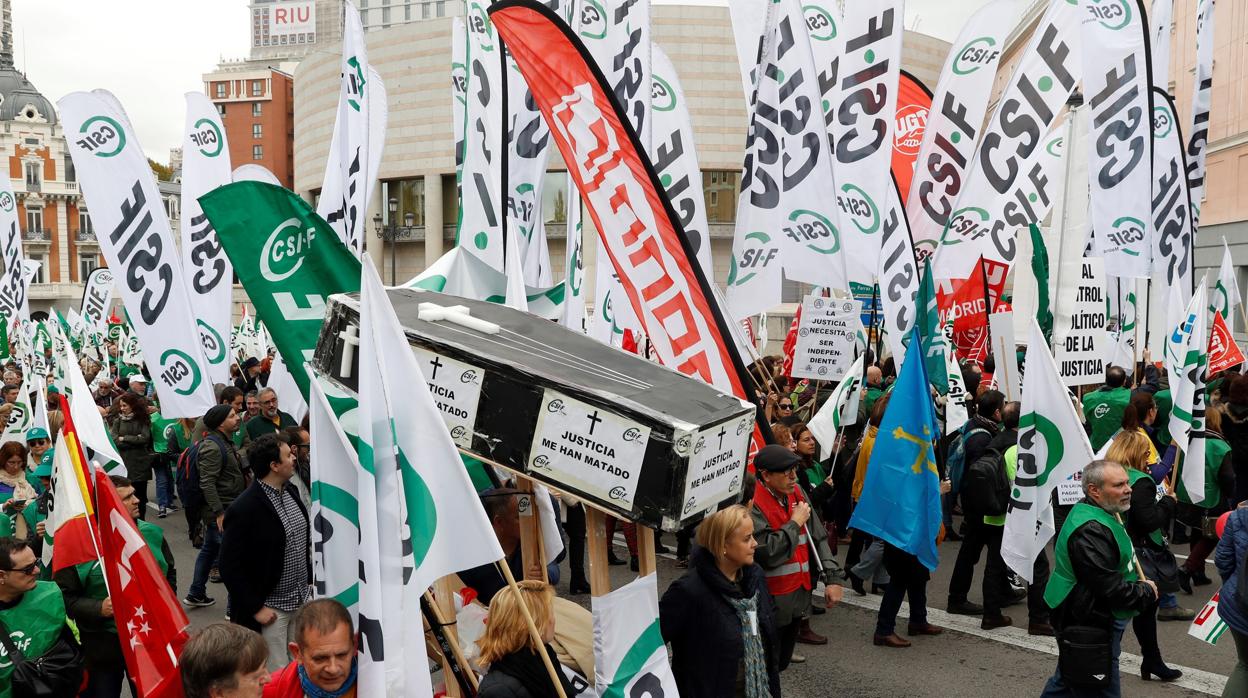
[(901, 496)]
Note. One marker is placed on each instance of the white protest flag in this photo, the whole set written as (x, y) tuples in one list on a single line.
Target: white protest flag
[(1187, 360), (254, 173), (460, 273), (288, 394), (426, 504), (898, 276), (97, 443), (1116, 84), (208, 273), (862, 129), (612, 312), (1173, 223), (528, 141), (955, 406), (954, 122), (21, 416), (459, 90), (1052, 446), (784, 216), (41, 404), (840, 410), (552, 542), (1202, 99), (1225, 297), (514, 268), (1007, 188), (629, 655), (617, 34), (13, 282), (676, 159), (1162, 16), (135, 238), (480, 225), (358, 138), (336, 513)]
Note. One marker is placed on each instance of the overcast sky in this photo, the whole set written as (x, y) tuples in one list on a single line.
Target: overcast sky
[(150, 52)]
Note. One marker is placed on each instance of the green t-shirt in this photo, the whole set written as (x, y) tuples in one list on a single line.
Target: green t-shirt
[(1103, 409), (34, 625)]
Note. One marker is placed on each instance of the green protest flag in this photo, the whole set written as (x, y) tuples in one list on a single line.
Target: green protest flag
[(1040, 268), (5, 353), (928, 322), (67, 332), (287, 258)]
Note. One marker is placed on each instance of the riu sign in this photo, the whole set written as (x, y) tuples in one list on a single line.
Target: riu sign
[(287, 17)]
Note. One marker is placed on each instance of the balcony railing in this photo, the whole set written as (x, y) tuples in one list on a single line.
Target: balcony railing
[(403, 233), (37, 235), (85, 236)]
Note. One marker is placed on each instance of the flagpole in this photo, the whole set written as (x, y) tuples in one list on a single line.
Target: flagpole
[(533, 633), (875, 294), (1138, 568)]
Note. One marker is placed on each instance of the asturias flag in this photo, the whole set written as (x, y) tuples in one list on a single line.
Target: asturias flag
[(901, 496)]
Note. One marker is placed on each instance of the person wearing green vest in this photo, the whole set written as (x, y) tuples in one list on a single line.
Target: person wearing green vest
[(270, 420), (1094, 586), (1219, 484), (33, 612), (1147, 521), (87, 601), (875, 386), (39, 444), (1103, 407)]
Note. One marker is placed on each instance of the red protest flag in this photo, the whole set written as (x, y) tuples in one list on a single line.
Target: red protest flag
[(1223, 351), (914, 101), (790, 342), (150, 622)]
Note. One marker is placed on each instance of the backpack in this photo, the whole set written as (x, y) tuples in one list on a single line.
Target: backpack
[(985, 489), (955, 464), (189, 491)]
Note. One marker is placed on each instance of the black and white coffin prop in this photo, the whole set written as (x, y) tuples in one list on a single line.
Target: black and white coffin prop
[(633, 437)]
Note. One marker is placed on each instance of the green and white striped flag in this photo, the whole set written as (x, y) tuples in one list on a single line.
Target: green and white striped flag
[(840, 410), (429, 522), (629, 655), (336, 543), (96, 441), (1225, 297), (1208, 626), (1187, 361)]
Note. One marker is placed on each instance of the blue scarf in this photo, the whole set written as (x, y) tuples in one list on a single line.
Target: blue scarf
[(313, 691)]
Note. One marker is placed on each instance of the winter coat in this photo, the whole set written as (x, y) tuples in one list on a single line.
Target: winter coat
[(1235, 429), (705, 632), (134, 444), (1101, 589), (1229, 557)]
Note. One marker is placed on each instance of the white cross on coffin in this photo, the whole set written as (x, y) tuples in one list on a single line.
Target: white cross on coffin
[(458, 314), (350, 336)]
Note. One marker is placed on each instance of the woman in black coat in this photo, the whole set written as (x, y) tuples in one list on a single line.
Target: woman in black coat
[(719, 617)]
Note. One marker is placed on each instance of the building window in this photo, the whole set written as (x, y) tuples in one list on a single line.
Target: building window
[(87, 263), (411, 197), (256, 131), (171, 207), (33, 175), (70, 174), (220, 89), (221, 109), (39, 268), (34, 218), (720, 190), (555, 198), (257, 152), (256, 108), (84, 223), (257, 88)]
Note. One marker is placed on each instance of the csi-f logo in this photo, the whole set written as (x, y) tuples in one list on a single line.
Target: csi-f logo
[(593, 20), (977, 53), (283, 252), (556, 407), (662, 96), (968, 223), (819, 23), (682, 444), (1101, 410), (1036, 435), (207, 137), (1127, 231), (632, 435), (742, 426), (355, 82), (102, 136), (861, 209), (755, 258), (6, 201), (459, 82), (179, 372), (19, 418), (700, 446), (1112, 14), (469, 377), (617, 492), (1055, 146), (210, 339), (479, 24), (458, 432), (541, 462), (813, 230), (1162, 123), (21, 641)]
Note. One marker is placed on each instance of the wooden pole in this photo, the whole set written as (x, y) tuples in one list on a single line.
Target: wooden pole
[(1138, 569), (533, 633), (598, 546), (532, 552), (436, 606), (645, 550)]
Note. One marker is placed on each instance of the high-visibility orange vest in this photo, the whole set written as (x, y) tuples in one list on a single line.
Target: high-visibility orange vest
[(794, 574)]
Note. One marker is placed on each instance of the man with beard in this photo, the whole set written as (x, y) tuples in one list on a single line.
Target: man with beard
[(1094, 590), (271, 420)]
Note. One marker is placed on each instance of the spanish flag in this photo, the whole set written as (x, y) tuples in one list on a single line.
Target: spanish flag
[(71, 521)]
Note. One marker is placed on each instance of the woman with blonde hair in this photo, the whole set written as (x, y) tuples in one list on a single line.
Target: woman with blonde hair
[(719, 618), (1146, 520), (516, 670)]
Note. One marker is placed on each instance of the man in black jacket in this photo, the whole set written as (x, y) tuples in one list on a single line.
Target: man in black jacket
[(977, 435), (1094, 583), (265, 561)]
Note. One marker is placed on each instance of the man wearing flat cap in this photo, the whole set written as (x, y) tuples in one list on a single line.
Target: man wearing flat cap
[(791, 539)]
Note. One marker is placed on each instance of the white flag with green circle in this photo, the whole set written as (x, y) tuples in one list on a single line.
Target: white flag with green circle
[(630, 658)]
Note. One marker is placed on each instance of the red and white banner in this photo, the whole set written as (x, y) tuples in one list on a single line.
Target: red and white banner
[(914, 101), (151, 624), (637, 227), (967, 303), (1223, 351)]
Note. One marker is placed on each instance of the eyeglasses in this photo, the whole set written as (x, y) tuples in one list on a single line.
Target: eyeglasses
[(27, 570), (786, 405)]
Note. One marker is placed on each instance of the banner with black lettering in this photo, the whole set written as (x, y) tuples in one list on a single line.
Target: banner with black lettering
[(1007, 189), (617, 35), (861, 129), (459, 95), (783, 213), (527, 153), (14, 283), (480, 229), (1118, 91), (675, 157), (208, 274), (1202, 99), (637, 227), (899, 277), (135, 238), (953, 126), (97, 298), (359, 136), (1174, 220)]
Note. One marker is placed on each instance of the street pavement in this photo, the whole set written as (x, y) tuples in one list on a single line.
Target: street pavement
[(964, 661)]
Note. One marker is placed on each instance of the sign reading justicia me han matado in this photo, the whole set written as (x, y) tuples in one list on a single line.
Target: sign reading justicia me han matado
[(135, 238)]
